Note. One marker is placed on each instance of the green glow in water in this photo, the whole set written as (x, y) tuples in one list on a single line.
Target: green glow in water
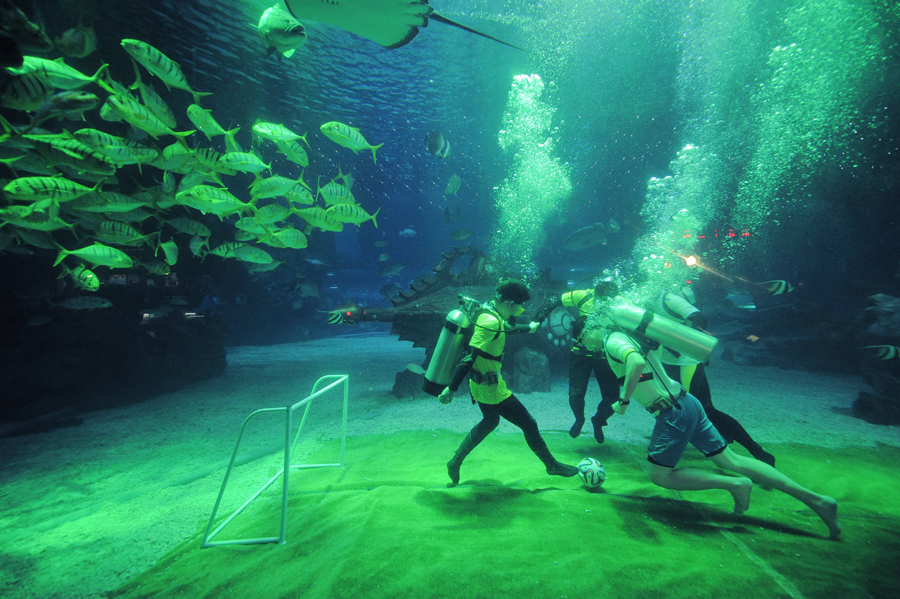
[(677, 208), (807, 111), (537, 182)]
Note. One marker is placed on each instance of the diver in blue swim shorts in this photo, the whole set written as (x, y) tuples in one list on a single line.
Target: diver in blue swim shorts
[(680, 420)]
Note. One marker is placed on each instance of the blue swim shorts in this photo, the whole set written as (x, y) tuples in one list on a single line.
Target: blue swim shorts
[(675, 428)]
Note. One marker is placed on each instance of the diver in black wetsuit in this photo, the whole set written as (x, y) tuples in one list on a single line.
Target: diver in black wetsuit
[(583, 362), (486, 383)]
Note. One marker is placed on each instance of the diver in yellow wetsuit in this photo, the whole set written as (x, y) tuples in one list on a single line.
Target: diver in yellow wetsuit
[(486, 384), (583, 363)]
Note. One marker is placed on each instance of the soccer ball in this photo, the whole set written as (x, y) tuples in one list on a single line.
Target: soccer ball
[(591, 472)]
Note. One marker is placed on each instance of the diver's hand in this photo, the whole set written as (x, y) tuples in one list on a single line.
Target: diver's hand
[(534, 326), (446, 395), (619, 407)]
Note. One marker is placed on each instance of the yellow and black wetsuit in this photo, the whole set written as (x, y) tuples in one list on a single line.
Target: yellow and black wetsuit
[(490, 393), (484, 361), (583, 363)]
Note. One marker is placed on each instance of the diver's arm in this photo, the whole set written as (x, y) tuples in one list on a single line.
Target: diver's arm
[(525, 328), (548, 307), (634, 366), (456, 378), (459, 372)]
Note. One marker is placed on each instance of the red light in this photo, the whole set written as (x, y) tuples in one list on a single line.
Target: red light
[(348, 313)]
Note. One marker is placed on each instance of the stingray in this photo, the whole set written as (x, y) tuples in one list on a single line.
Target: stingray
[(391, 23)]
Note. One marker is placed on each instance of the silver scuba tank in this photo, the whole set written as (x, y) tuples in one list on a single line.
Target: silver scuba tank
[(452, 341), (668, 333)]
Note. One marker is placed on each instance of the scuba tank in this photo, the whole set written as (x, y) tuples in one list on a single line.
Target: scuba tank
[(666, 332), (454, 338)]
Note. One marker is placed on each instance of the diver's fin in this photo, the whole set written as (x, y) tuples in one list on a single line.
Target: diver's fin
[(442, 19)]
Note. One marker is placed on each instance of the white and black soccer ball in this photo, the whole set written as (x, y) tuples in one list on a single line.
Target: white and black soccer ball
[(591, 472)]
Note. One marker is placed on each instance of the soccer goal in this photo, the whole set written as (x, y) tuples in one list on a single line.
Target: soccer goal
[(284, 473)]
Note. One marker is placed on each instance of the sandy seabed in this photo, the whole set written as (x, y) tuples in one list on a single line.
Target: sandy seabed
[(87, 507)]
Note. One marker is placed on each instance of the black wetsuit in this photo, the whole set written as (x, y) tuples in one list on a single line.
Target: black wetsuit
[(730, 428), (581, 364)]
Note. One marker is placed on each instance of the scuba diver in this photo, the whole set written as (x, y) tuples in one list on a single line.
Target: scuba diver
[(680, 420), (492, 322), (679, 306), (583, 362)]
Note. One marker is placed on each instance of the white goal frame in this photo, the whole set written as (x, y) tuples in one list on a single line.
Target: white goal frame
[(288, 411)]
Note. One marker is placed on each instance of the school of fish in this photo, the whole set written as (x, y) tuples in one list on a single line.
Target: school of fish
[(65, 194)]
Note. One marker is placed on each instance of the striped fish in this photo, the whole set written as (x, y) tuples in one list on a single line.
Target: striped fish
[(255, 255), (152, 100), (352, 213), (250, 225), (122, 234), (317, 217), (335, 193), (206, 199), (777, 287), (271, 187), (273, 213), (46, 188), (244, 162), (117, 150), (349, 137), (26, 219), (276, 132), (189, 226), (98, 255), (227, 249), (294, 152), (206, 124), (64, 149), (291, 238), (160, 65), (110, 201), (140, 117), (26, 92), (81, 277), (157, 267), (300, 195), (61, 75)]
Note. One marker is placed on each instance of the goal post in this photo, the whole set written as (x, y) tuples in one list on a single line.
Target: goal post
[(284, 473)]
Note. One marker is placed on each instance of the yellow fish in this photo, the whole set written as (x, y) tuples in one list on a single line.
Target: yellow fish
[(349, 137)]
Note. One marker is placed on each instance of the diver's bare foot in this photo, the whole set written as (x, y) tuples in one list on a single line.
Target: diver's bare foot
[(741, 494), (826, 507)]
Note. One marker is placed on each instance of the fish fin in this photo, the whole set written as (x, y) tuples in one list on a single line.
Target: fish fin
[(375, 222), (99, 72), (289, 53), (63, 252), (198, 95), (137, 76), (229, 137), (373, 148), (180, 135)]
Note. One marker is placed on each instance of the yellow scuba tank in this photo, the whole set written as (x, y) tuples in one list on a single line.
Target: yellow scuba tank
[(454, 337), (668, 333)]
